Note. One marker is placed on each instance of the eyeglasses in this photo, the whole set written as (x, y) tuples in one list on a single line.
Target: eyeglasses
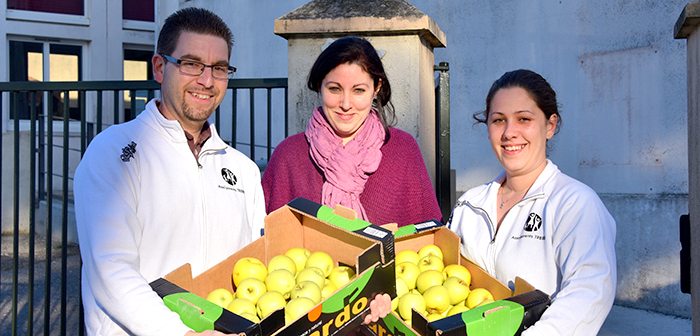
[(194, 68)]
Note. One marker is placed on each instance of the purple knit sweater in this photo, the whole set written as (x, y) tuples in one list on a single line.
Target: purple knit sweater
[(398, 192)]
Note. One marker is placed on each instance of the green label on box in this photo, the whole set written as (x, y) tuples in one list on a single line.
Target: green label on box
[(195, 312), (326, 214), (405, 231), (496, 318)]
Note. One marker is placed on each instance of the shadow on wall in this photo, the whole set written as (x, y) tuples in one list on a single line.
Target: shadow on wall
[(648, 251)]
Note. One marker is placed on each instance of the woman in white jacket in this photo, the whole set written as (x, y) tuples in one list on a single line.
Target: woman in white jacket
[(535, 222)]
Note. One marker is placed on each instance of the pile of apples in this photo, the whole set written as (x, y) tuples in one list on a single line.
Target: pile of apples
[(424, 282), (296, 281)]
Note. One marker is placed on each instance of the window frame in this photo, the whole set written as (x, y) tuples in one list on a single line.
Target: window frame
[(24, 124), (69, 19)]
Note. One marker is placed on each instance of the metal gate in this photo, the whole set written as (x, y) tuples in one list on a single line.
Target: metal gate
[(50, 130)]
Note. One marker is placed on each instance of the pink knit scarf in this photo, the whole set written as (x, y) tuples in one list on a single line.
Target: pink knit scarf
[(345, 168)]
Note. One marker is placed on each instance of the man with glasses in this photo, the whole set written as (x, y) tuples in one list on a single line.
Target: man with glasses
[(163, 189)]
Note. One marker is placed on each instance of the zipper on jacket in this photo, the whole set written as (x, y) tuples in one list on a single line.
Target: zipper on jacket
[(493, 228), (491, 248), (203, 230)]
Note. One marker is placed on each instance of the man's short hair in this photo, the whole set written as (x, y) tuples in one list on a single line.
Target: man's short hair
[(193, 20)]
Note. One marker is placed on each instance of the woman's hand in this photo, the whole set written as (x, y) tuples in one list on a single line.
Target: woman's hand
[(380, 307)]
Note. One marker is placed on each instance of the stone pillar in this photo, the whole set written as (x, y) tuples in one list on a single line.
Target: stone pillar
[(687, 28), (398, 30)]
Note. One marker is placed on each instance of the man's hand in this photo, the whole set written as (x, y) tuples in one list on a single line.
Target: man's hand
[(380, 307)]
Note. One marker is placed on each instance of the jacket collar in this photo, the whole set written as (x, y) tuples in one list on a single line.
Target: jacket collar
[(172, 129), (488, 195)]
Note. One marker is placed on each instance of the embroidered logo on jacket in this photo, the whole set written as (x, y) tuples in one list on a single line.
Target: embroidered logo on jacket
[(128, 152), (533, 223), (228, 176)]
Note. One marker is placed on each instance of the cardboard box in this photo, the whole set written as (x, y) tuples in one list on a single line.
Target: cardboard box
[(301, 223), (509, 315)]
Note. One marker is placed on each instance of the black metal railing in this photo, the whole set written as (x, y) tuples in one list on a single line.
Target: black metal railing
[(51, 126), (444, 188)]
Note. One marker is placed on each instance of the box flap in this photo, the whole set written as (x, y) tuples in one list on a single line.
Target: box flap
[(182, 276), (522, 286), (356, 225)]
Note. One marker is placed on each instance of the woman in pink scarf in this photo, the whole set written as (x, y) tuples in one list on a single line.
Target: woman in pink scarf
[(349, 154)]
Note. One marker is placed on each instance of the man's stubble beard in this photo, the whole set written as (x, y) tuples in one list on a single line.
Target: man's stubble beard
[(194, 115)]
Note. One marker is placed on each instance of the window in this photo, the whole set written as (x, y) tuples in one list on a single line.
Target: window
[(138, 10), (45, 61), (73, 7), (137, 66)]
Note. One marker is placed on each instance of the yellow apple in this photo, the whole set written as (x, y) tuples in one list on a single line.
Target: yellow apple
[(321, 260), (477, 296), (270, 302), (281, 261), (444, 314), (485, 302), (433, 317), (430, 249), (458, 288), (395, 303), (401, 287), (437, 299), (430, 262), (248, 268), (280, 280), (458, 271), (457, 309), (314, 274), (296, 308), (221, 297), (410, 301), (429, 279), (307, 289), (240, 306), (409, 272), (406, 255), (341, 275), (299, 255), (328, 289), (251, 317), (251, 289)]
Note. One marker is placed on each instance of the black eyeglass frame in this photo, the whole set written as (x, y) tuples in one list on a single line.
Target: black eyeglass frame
[(231, 69)]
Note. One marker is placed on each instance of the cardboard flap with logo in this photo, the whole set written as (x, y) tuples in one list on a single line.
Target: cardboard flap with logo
[(301, 223), (509, 315)]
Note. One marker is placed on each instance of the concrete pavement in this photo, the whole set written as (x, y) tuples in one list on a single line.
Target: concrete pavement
[(630, 321)]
